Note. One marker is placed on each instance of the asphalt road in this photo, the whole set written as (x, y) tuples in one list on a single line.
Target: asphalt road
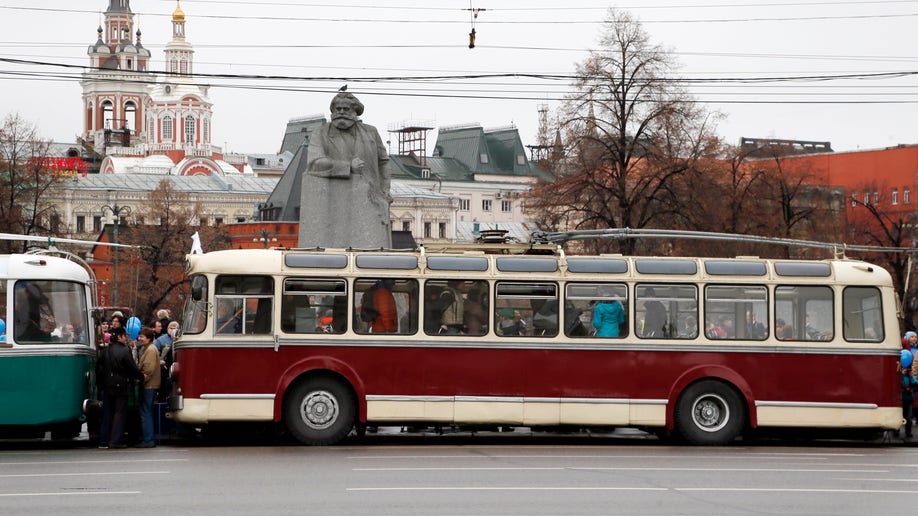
[(426, 474)]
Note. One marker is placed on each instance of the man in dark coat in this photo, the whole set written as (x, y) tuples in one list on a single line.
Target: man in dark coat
[(116, 372)]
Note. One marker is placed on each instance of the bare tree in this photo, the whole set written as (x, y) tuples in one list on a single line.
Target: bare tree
[(25, 182), (157, 269), (630, 131)]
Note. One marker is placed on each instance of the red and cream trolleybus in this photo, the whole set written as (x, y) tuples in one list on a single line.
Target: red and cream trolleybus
[(328, 340)]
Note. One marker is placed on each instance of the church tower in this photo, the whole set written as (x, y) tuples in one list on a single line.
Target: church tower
[(115, 87), (179, 111)]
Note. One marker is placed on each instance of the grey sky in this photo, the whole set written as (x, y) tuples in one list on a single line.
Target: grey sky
[(712, 39)]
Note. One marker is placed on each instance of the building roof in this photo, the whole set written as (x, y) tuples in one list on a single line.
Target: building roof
[(296, 134), (188, 184), (450, 169), (493, 151)]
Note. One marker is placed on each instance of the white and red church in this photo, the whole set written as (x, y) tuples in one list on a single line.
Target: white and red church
[(145, 125)]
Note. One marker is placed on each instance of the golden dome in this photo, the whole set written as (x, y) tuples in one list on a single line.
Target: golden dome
[(178, 15)]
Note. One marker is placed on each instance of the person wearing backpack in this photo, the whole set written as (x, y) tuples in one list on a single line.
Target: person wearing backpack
[(908, 368)]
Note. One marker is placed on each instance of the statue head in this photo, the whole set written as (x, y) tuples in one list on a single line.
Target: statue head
[(345, 108)]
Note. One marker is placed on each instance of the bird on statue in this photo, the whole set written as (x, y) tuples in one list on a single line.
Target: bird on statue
[(343, 88)]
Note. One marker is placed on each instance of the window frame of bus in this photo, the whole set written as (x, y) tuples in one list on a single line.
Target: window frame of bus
[(435, 327), (847, 326), (640, 294), (244, 295), (74, 295), (197, 307), (521, 290), (618, 292), (334, 288), (795, 315), (739, 324), (405, 287), (5, 317)]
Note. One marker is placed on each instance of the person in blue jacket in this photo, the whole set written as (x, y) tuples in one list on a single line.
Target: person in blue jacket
[(608, 315)]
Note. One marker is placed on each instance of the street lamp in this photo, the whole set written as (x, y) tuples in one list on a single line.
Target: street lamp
[(117, 211)]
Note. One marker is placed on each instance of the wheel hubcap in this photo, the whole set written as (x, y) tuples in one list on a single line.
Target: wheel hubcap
[(710, 412), (319, 409)]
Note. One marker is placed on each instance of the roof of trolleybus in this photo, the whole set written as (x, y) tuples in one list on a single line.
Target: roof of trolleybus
[(30, 266), (272, 261)]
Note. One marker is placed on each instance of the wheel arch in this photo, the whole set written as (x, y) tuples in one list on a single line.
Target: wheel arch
[(320, 366), (725, 375)]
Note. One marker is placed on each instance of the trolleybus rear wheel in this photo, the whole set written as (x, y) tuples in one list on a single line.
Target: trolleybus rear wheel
[(320, 411), (709, 413)]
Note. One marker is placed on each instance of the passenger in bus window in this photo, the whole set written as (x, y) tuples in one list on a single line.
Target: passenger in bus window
[(433, 313), (386, 320), (511, 323), (476, 310), (608, 315), (654, 316), (228, 320), (689, 328), (452, 302)]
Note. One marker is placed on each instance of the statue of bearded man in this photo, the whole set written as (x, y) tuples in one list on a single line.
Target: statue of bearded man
[(345, 196)]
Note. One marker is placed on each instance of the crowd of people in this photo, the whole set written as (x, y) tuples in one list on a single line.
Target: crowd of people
[(130, 374)]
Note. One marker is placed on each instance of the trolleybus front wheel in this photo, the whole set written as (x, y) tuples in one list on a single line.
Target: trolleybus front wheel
[(709, 413), (320, 411)]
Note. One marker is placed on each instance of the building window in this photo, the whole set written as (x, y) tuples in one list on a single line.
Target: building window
[(520, 159), (895, 196), (167, 129), (406, 225), (853, 198), (189, 129), (442, 230), (203, 221), (506, 206), (906, 197), (427, 230), (483, 157), (486, 205), (129, 64), (81, 224), (55, 223), (425, 173), (876, 197), (464, 204), (206, 130), (96, 224), (866, 198)]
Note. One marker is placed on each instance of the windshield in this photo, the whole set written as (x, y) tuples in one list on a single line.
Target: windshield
[(50, 311), (194, 314)]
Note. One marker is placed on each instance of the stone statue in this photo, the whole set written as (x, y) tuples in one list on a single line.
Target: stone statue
[(345, 189)]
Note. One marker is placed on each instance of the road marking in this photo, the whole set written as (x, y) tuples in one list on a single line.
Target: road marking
[(640, 457), (80, 493), (128, 461), (27, 475), (587, 468), (790, 490), (493, 488)]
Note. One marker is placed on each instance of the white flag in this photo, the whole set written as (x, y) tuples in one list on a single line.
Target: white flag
[(196, 244)]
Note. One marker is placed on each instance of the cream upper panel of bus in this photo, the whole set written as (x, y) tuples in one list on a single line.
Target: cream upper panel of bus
[(271, 261), (29, 266)]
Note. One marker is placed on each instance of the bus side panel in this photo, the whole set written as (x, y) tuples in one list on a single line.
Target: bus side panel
[(641, 376), (40, 390)]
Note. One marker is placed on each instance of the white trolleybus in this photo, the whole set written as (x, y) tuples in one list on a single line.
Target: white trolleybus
[(324, 341)]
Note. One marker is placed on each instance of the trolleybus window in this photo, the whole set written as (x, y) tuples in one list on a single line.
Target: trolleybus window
[(195, 313), (598, 309), (518, 304), (863, 319), (804, 313), (456, 307), (314, 306), (49, 311), (662, 310), (244, 304), (4, 316), (736, 312), (385, 305)]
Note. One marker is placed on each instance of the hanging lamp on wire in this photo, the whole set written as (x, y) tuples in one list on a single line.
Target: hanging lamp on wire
[(474, 16)]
